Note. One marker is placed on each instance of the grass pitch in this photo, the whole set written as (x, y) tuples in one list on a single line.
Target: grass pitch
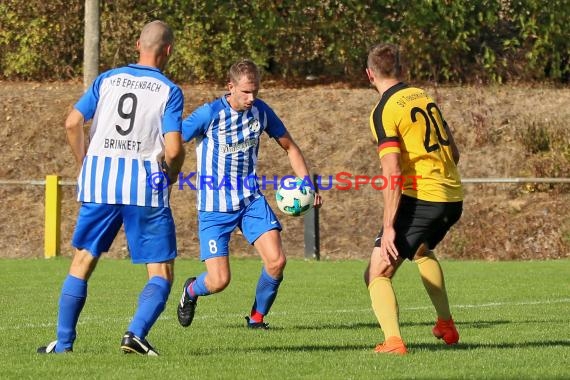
[(513, 318)]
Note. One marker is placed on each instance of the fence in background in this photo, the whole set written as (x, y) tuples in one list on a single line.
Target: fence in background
[(53, 186)]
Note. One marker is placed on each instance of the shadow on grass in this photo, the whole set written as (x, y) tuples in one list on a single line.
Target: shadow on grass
[(374, 325), (286, 349), (475, 346), (412, 348), (465, 324)]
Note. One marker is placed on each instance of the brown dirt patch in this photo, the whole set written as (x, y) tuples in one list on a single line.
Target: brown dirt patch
[(501, 221)]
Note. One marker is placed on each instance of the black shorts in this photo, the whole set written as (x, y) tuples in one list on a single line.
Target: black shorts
[(420, 222)]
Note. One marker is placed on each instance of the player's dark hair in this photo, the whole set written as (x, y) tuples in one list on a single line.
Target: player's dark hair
[(384, 60), (244, 67)]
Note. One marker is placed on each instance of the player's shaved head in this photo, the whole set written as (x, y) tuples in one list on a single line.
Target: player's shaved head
[(155, 36)]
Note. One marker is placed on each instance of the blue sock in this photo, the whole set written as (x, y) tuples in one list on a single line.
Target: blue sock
[(152, 301), (265, 293), (198, 287), (71, 301)]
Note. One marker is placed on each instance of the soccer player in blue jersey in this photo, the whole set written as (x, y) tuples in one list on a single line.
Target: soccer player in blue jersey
[(135, 134), (227, 133)]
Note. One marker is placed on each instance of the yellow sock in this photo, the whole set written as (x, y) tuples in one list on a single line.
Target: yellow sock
[(385, 305), (432, 277)]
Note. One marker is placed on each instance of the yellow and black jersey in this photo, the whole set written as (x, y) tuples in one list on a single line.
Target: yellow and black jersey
[(407, 121)]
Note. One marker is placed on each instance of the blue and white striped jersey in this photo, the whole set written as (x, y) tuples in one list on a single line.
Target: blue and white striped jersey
[(227, 143), (132, 107)]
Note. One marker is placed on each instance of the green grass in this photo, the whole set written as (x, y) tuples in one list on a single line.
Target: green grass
[(513, 317)]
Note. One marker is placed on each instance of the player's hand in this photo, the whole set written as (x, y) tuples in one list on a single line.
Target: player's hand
[(172, 176), (318, 202), (388, 249)]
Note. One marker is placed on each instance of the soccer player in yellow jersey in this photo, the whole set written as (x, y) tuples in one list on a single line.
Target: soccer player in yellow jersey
[(423, 200)]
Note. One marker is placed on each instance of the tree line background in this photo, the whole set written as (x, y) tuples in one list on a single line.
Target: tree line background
[(456, 41)]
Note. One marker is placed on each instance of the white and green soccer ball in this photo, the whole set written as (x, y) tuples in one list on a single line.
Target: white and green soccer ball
[(295, 197)]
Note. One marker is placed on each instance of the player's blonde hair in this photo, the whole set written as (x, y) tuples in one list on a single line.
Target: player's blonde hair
[(384, 60), (243, 68)]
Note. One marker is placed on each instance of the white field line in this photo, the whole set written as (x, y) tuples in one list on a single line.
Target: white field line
[(87, 320)]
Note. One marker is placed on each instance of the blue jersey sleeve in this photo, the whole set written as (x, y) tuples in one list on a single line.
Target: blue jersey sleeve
[(275, 127), (197, 123), (172, 119), (87, 104)]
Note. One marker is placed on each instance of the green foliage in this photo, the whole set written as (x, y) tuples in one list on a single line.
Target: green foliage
[(543, 34), (442, 40), (40, 39)]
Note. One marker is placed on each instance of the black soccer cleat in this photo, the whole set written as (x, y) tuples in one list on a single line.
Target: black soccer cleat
[(133, 344), (256, 325), (186, 306), (50, 349)]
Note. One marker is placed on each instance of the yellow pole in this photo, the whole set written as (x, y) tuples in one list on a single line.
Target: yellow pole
[(53, 216)]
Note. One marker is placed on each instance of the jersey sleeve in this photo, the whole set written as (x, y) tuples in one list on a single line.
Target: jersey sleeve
[(197, 123), (385, 131), (275, 127), (172, 119), (87, 104)]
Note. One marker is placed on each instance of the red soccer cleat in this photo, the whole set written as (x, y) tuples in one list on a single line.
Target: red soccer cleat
[(446, 330)]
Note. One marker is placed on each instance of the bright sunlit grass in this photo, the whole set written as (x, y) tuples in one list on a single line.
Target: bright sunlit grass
[(513, 318)]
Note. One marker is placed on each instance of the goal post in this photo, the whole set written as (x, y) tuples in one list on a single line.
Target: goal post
[(311, 229)]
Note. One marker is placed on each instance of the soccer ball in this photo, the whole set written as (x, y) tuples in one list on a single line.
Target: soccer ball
[(294, 197)]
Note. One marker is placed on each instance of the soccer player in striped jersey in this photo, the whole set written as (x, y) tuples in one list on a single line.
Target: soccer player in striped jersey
[(227, 132), (414, 143), (135, 149)]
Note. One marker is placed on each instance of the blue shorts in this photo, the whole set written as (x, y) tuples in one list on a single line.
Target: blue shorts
[(150, 231), (215, 228)]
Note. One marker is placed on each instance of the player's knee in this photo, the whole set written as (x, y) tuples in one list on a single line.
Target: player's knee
[(164, 270), (216, 284), (276, 267), (282, 262), (424, 255), (82, 264), (387, 272)]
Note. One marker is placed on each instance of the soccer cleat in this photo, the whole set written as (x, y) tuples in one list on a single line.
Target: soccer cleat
[(50, 349), (187, 306), (256, 325), (446, 330), (393, 345), (133, 344)]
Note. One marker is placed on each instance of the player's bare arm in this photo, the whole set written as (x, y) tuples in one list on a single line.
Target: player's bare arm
[(173, 155), (452, 145), (297, 161), (454, 148), (391, 195), (296, 158), (76, 136)]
